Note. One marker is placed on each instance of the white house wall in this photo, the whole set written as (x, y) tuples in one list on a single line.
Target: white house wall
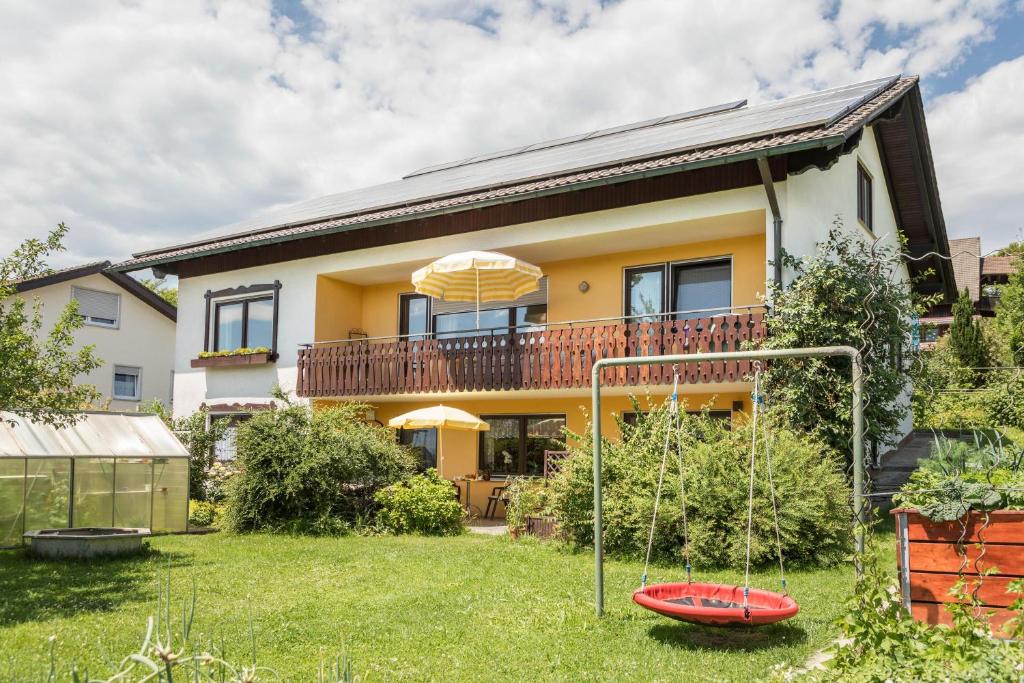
[(144, 339)]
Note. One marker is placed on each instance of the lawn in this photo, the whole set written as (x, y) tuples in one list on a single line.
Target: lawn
[(467, 608)]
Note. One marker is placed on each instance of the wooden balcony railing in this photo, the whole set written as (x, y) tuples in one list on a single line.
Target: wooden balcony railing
[(558, 358)]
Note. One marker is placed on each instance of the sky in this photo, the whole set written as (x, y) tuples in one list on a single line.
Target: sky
[(144, 123)]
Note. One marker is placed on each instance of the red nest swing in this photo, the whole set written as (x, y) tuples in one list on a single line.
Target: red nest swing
[(713, 603)]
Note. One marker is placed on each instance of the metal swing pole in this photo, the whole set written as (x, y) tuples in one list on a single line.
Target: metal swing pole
[(765, 354)]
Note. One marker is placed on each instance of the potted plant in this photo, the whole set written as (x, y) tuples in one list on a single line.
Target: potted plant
[(960, 529)]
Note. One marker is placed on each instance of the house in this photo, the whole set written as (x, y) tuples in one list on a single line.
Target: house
[(979, 275), (132, 328), (656, 235)]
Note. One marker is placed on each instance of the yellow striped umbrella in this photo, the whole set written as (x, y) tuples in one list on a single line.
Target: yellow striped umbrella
[(477, 276), (440, 418)]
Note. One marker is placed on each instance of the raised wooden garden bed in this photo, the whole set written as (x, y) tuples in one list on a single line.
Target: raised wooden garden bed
[(542, 527), (233, 360), (933, 555)]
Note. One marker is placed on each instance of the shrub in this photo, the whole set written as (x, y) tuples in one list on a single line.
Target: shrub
[(312, 471), (424, 504), (848, 293), (813, 498), (218, 478), (526, 497), (1004, 400), (881, 642), (203, 513)]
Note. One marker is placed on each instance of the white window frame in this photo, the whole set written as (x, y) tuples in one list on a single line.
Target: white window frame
[(87, 320), (138, 383)]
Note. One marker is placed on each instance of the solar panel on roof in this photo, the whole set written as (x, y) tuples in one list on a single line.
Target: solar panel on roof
[(671, 135), (672, 118)]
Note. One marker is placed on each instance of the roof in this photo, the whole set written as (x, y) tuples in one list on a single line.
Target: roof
[(713, 136), (96, 434), (995, 266), (133, 286), (966, 255)]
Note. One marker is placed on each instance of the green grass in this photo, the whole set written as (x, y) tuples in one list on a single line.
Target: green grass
[(466, 608)]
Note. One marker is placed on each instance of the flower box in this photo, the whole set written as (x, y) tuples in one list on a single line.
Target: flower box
[(932, 556), (235, 359)]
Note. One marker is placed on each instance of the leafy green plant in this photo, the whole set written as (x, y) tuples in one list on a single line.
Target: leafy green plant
[(881, 642), (423, 504), (312, 471), (813, 498), (848, 293), (39, 367), (241, 351), (526, 497), (1009, 320), (202, 513), (966, 339), (959, 477)]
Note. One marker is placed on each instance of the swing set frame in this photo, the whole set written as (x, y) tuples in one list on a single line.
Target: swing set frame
[(857, 380)]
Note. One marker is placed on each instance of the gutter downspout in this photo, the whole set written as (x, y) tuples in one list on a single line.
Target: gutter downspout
[(773, 202)]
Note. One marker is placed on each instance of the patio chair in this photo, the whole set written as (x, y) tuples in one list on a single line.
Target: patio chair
[(497, 496)]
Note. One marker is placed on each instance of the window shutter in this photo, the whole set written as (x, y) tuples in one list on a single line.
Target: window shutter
[(94, 304), (540, 297)]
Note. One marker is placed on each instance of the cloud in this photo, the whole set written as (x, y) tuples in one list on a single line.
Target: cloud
[(977, 137), (147, 123)]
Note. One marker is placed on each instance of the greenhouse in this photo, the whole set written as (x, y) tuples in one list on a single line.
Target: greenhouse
[(106, 470)]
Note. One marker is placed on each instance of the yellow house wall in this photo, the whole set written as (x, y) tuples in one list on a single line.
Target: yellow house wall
[(339, 309), (374, 308), (459, 450)]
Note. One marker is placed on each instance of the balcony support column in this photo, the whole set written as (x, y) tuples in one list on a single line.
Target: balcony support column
[(773, 203)]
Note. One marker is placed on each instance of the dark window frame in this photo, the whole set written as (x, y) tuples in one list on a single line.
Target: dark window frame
[(245, 319), (523, 419), (244, 294), (422, 465), (669, 289), (865, 197), (511, 327), (403, 313)]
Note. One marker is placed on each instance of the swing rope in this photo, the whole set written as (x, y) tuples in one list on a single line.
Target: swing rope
[(661, 477), (682, 498), (775, 509)]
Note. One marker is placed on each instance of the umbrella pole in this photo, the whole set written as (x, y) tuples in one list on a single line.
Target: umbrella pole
[(477, 271)]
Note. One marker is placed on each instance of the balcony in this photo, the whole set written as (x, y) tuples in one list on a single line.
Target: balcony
[(557, 356)]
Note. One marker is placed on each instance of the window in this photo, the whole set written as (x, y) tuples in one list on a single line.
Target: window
[(688, 289), (865, 206), (225, 448), (414, 315), (235, 321), (645, 292), (102, 309), (492, 321), (127, 383), (630, 418), (424, 442), (515, 444), (247, 323)]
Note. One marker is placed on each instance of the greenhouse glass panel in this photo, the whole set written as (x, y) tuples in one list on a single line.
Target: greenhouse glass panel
[(170, 494), (133, 482), (47, 493), (93, 503), (12, 499)]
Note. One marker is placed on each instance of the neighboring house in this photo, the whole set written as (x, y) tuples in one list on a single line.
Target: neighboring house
[(132, 328), (980, 275), (673, 222)]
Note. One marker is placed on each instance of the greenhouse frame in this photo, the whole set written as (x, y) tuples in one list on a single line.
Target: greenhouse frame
[(107, 470)]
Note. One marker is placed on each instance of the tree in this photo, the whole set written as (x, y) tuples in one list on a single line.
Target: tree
[(160, 287), (848, 293), (966, 339), (1009, 323), (37, 368)]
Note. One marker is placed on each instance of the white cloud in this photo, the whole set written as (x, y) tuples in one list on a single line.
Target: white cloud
[(145, 123), (977, 137)]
